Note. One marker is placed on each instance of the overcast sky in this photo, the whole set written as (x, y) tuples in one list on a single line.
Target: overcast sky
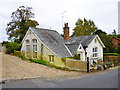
[(48, 13)]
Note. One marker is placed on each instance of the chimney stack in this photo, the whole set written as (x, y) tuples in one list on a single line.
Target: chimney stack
[(66, 32)]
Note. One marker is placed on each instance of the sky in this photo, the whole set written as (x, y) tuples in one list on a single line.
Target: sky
[(48, 13)]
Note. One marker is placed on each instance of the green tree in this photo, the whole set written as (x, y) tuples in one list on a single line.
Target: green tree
[(106, 39), (11, 46), (84, 27), (99, 31), (21, 21)]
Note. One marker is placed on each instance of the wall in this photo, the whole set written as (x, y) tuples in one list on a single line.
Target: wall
[(111, 58), (82, 52), (30, 36), (76, 65), (89, 50)]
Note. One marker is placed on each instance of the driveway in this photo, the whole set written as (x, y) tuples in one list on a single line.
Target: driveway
[(13, 67)]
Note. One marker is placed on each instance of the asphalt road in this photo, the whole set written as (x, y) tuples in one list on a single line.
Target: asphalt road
[(107, 79)]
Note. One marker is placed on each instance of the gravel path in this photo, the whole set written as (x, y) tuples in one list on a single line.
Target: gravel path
[(14, 67)]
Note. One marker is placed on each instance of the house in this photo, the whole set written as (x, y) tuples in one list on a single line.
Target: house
[(115, 42), (51, 46)]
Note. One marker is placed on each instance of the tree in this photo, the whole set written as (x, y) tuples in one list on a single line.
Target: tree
[(106, 39), (11, 46), (21, 21), (99, 31), (84, 27)]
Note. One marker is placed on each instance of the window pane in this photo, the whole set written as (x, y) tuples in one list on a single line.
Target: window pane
[(27, 54), (95, 49), (34, 47), (27, 47), (34, 54), (27, 41), (52, 58), (49, 58), (95, 54), (34, 41)]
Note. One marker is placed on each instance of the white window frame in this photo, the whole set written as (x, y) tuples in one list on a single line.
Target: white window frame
[(51, 58), (34, 44), (27, 48), (95, 52)]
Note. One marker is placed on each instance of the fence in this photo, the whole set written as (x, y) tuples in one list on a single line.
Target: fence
[(76, 65)]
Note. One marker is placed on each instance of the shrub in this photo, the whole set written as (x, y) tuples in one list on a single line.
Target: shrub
[(11, 46), (17, 53), (64, 60), (39, 61), (46, 63), (111, 54), (76, 56)]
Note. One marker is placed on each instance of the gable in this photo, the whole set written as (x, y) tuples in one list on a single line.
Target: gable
[(52, 40), (95, 43), (100, 41), (80, 48)]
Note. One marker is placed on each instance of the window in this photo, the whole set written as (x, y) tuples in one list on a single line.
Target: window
[(80, 47), (34, 41), (27, 42), (27, 48), (95, 52), (34, 48), (51, 58)]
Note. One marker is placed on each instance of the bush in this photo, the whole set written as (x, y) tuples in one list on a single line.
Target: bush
[(11, 46), (39, 61), (76, 56), (111, 54), (46, 63), (64, 60), (17, 53)]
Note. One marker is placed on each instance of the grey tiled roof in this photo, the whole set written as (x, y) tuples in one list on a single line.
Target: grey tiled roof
[(76, 41), (53, 40)]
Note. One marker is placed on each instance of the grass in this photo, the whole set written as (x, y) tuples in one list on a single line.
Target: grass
[(46, 63)]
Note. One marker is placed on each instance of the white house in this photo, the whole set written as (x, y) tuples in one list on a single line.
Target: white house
[(54, 47)]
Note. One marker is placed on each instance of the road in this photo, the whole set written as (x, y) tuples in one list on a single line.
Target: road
[(107, 79)]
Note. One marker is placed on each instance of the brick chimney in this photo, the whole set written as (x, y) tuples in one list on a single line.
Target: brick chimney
[(66, 32)]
